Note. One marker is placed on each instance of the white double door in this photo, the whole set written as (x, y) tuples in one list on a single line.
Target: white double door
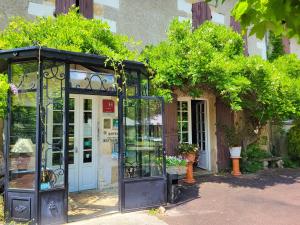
[(82, 143)]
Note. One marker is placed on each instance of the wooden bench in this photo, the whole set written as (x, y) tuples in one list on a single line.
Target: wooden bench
[(272, 162)]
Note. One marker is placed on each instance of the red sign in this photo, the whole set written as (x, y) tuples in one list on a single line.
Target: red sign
[(108, 106)]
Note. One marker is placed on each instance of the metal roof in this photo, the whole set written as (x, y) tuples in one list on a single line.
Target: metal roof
[(34, 52)]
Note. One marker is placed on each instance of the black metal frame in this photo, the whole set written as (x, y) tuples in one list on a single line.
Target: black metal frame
[(40, 54)]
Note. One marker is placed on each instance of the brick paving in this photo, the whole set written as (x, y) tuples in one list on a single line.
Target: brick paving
[(271, 197)]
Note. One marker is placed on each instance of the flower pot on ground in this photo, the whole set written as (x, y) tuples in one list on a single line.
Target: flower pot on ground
[(189, 152)]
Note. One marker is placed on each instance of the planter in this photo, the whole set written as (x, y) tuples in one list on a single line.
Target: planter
[(180, 170), (235, 152), (190, 157)]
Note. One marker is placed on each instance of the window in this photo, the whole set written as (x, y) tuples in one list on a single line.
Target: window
[(182, 121)]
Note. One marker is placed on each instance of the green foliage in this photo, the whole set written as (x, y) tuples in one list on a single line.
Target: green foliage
[(1, 209), (3, 94), (233, 136), (252, 159), (175, 161), (211, 57), (281, 17), (70, 32), (290, 163), (293, 138), (185, 148), (275, 47)]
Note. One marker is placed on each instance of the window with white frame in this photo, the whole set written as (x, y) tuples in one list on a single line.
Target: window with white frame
[(182, 121)]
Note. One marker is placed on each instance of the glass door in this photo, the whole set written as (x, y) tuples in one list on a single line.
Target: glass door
[(144, 183), (82, 143)]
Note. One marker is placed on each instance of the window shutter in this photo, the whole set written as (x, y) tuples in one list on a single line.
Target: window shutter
[(63, 6), (286, 45), (86, 8), (236, 26), (200, 13)]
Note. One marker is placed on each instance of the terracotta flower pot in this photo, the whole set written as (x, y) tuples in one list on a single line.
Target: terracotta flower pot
[(190, 157)]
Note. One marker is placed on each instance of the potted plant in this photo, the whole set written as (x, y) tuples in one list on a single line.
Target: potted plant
[(189, 152), (175, 165), (233, 139)]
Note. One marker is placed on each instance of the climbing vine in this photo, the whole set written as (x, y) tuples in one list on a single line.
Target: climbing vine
[(71, 32), (275, 46), (211, 57)]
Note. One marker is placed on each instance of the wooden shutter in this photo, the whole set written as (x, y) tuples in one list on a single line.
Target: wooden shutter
[(286, 45), (200, 13), (171, 135), (86, 8), (236, 26), (63, 6), (224, 116)]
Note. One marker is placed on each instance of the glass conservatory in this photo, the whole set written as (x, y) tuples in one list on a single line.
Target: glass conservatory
[(77, 128)]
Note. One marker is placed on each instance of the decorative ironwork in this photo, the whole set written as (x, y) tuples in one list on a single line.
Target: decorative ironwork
[(20, 208), (28, 78), (94, 81), (52, 205), (53, 101)]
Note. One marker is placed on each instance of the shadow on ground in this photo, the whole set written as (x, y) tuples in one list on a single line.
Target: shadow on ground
[(259, 180)]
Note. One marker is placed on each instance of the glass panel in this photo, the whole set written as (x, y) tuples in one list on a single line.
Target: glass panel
[(87, 156), (143, 138), (184, 116), (87, 104), (87, 126), (84, 78), (52, 167), (24, 76), (71, 103), (132, 83), (71, 158), (144, 85), (71, 117), (184, 106), (87, 143), (22, 141)]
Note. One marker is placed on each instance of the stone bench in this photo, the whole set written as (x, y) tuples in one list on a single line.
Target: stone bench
[(272, 162)]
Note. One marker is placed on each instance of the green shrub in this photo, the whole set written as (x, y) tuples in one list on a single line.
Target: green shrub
[(293, 138), (175, 161), (289, 163), (1, 210), (252, 159)]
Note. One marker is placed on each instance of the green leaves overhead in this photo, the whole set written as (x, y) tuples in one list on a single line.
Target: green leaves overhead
[(281, 17), (211, 57), (70, 32)]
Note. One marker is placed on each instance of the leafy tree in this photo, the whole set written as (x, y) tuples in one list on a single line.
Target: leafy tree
[(211, 57), (281, 17), (70, 32)]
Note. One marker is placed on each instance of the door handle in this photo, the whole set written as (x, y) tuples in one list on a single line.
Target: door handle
[(76, 150)]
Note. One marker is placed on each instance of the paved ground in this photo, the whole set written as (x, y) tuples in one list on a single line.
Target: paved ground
[(268, 198), (135, 218)]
